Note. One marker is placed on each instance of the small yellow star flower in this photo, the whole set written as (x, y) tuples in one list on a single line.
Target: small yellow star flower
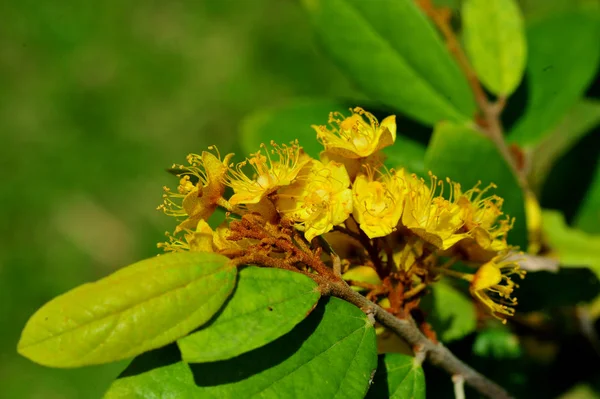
[(200, 187), (268, 174), (480, 215), (318, 200), (354, 137), (378, 203), (430, 216), (200, 240), (493, 278)]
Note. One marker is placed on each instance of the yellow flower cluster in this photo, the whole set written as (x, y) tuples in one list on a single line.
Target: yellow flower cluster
[(347, 187)]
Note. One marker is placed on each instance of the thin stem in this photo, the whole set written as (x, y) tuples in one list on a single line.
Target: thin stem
[(490, 111), (459, 386), (437, 354)]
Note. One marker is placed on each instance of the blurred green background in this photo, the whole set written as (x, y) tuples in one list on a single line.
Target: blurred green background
[(96, 100)]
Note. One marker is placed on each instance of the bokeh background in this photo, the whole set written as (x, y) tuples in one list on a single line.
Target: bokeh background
[(97, 99)]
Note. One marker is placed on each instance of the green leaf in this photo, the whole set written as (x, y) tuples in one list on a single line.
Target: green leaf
[(288, 123), (573, 246), (494, 38), (397, 377), (156, 374), (579, 120), (467, 157), (497, 342), (331, 354), (138, 308), (266, 304), (406, 153), (392, 51), (562, 61), (588, 216), (450, 312)]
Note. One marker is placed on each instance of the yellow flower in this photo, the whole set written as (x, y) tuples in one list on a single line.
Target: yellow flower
[(318, 200), (378, 203), (200, 240), (430, 216), (268, 174), (480, 216), (353, 136), (493, 278), (200, 187)]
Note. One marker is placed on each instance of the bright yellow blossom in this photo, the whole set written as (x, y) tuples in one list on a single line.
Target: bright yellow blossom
[(354, 136), (200, 187), (493, 278), (480, 216), (268, 174), (378, 203), (431, 216), (318, 200), (200, 240)]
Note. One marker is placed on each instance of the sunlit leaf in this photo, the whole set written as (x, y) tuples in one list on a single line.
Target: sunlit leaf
[(138, 308), (332, 353), (156, 374), (562, 61), (393, 52), (397, 377), (467, 156), (573, 247), (267, 304), (494, 38)]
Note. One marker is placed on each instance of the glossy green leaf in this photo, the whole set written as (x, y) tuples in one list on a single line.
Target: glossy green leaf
[(331, 354), (494, 38), (156, 374), (288, 123), (266, 304), (562, 61), (397, 377), (497, 342), (393, 52), (138, 308), (573, 246), (588, 216), (406, 153), (579, 120), (450, 312), (467, 157)]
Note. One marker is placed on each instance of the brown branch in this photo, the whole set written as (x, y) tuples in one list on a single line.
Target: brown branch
[(437, 354), (490, 111)]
